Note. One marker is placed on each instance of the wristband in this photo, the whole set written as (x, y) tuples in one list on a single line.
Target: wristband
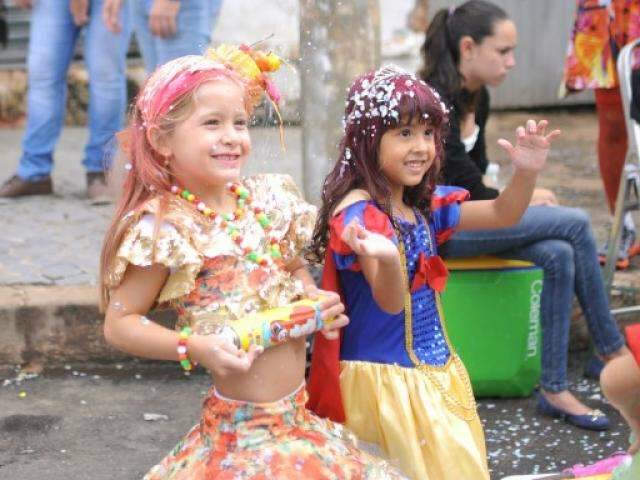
[(183, 357)]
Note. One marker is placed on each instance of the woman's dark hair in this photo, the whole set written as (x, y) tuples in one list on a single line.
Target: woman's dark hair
[(441, 48), (377, 102)]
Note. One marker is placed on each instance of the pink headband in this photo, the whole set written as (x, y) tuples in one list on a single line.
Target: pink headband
[(173, 80)]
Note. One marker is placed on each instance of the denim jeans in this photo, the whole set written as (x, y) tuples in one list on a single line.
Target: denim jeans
[(560, 240), (52, 41), (194, 24)]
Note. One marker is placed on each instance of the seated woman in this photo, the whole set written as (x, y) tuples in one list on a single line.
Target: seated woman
[(467, 49)]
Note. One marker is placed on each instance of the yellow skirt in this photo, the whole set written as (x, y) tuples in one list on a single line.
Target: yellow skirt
[(424, 418)]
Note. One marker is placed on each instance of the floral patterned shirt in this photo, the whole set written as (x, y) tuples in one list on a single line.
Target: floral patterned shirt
[(211, 280), (601, 29)]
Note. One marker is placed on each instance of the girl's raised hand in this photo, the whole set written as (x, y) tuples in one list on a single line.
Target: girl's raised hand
[(221, 357), (532, 146), (368, 244)]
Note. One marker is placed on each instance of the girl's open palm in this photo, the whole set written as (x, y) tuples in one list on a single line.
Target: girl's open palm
[(368, 244), (532, 146)]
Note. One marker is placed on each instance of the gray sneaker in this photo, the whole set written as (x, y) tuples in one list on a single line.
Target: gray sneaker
[(628, 248)]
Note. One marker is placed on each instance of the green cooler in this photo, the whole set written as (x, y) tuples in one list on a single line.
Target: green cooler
[(492, 314)]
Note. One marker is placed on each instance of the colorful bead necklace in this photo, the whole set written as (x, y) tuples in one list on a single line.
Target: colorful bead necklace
[(463, 408), (226, 221)]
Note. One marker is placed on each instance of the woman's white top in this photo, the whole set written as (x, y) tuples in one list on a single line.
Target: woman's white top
[(470, 141)]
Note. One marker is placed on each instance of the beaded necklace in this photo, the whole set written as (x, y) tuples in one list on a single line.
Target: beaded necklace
[(226, 221), (466, 410)]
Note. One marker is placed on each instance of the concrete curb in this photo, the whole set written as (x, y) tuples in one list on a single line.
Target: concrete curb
[(54, 325), (50, 323)]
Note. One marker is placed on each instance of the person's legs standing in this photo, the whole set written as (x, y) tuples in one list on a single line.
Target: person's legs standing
[(195, 23), (139, 12), (52, 39), (105, 57), (612, 151)]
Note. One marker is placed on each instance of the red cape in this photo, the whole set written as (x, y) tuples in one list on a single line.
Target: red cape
[(325, 399)]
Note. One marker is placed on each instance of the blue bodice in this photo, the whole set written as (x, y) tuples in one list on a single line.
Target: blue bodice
[(374, 335), (429, 342)]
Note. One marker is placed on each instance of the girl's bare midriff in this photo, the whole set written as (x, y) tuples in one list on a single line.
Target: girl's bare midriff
[(276, 373)]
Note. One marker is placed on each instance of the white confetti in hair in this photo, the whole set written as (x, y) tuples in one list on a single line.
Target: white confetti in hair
[(377, 97)]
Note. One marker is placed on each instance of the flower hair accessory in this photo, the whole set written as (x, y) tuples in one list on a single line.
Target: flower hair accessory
[(177, 77), (253, 66)]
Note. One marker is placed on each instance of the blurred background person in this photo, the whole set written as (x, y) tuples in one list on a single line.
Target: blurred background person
[(166, 29), (418, 18), (56, 26), (600, 30), (467, 49)]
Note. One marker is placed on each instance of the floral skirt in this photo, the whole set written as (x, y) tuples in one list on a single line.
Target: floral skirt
[(279, 440)]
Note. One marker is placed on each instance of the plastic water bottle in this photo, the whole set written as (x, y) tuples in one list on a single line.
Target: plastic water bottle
[(493, 176)]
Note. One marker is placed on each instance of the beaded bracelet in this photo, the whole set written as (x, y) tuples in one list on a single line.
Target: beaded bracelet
[(183, 357)]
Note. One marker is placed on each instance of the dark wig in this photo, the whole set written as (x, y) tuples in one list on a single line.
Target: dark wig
[(441, 48), (377, 102)]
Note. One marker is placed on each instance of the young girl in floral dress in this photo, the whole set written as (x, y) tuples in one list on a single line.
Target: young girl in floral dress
[(192, 234)]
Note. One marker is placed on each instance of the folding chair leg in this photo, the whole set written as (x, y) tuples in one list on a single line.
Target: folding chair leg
[(614, 237)]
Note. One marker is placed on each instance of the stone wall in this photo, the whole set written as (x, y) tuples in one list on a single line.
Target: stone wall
[(13, 92)]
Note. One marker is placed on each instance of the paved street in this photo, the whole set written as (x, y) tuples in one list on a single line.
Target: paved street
[(81, 422)]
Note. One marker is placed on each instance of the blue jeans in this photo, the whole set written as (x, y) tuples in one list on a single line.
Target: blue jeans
[(194, 24), (53, 38), (560, 240)]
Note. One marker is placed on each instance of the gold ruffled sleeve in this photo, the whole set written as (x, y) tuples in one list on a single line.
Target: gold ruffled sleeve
[(293, 219), (303, 219), (173, 249)]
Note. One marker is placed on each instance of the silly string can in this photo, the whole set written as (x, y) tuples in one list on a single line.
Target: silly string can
[(275, 325)]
